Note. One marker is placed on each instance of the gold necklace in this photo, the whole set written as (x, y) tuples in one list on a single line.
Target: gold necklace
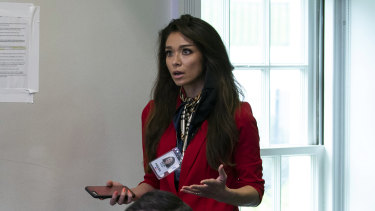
[(186, 117)]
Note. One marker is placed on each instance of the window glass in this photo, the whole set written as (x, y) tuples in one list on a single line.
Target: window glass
[(288, 107), (296, 180), (247, 32), (213, 12), (288, 32)]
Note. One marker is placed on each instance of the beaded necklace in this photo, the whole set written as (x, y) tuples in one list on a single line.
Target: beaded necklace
[(186, 116)]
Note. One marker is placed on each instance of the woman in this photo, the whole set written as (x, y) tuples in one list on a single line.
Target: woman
[(196, 101)]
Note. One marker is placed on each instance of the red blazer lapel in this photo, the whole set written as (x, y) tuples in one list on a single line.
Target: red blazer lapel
[(194, 148)]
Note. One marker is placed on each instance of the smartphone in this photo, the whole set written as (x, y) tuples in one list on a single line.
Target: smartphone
[(105, 192)]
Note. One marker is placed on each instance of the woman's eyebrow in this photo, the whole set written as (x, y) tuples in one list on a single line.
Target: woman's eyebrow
[(181, 46)]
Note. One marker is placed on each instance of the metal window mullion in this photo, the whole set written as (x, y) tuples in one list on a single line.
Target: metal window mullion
[(315, 181), (266, 70), (267, 32), (320, 197), (311, 89), (280, 67), (277, 185), (317, 160), (320, 74), (306, 96), (340, 106), (266, 104), (226, 24), (292, 151), (320, 180), (315, 63)]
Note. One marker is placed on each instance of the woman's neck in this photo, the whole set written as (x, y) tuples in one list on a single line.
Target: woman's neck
[(192, 92), (194, 89)]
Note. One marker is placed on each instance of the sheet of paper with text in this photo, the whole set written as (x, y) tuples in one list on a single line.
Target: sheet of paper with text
[(19, 51)]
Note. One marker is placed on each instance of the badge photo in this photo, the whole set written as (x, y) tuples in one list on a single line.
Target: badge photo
[(166, 164)]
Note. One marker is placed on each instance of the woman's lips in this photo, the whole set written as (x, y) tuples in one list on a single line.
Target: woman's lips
[(177, 74)]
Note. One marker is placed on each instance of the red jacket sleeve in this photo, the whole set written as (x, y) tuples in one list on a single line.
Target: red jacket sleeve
[(247, 153), (149, 178)]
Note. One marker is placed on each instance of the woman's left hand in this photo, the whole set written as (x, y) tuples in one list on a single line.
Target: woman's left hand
[(211, 188)]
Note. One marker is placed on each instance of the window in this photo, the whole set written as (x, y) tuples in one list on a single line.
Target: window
[(274, 46)]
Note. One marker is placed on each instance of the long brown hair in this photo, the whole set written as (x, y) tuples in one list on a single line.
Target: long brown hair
[(222, 134)]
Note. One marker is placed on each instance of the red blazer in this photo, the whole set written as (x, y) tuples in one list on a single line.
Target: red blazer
[(194, 167)]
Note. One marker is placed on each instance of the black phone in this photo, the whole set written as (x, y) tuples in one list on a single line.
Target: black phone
[(105, 192)]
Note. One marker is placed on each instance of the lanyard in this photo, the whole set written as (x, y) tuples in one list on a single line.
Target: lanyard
[(185, 125), (185, 136)]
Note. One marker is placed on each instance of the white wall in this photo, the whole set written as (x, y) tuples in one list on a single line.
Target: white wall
[(362, 105), (97, 66)]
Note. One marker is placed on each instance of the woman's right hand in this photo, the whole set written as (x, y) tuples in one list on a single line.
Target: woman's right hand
[(125, 197)]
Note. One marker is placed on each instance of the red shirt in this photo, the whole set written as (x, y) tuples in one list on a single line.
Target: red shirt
[(194, 167)]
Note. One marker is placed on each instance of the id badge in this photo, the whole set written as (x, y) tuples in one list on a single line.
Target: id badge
[(166, 164)]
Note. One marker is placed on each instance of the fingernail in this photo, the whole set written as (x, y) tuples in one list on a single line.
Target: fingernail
[(130, 193)]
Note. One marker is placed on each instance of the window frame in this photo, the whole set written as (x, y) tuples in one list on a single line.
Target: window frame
[(316, 149), (314, 62)]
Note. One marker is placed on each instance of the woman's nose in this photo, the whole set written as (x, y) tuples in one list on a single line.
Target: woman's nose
[(176, 60)]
